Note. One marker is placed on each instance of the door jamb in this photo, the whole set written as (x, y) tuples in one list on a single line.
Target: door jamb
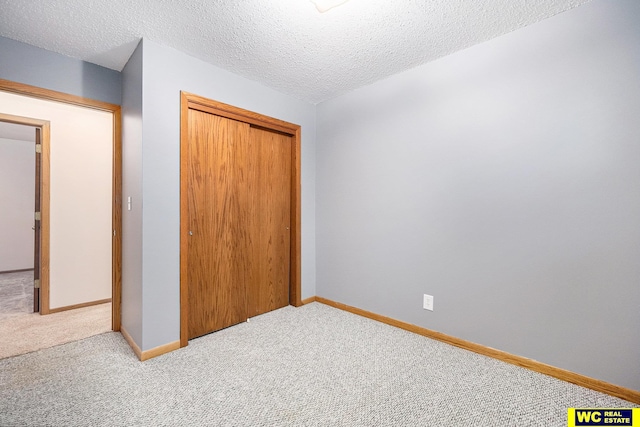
[(195, 102), (50, 95)]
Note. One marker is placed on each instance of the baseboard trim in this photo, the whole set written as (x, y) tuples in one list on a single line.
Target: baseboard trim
[(16, 271), (308, 300), (151, 353), (131, 342), (533, 365), (160, 350), (73, 307)]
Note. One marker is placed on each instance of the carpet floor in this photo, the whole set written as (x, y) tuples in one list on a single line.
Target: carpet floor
[(16, 293), (23, 331), (308, 366)]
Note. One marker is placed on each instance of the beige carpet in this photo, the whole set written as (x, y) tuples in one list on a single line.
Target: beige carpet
[(26, 332)]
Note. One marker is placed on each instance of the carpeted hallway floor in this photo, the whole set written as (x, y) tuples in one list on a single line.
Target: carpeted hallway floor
[(16, 293), (23, 331), (308, 366), (26, 332)]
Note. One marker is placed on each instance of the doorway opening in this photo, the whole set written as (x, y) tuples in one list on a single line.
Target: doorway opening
[(42, 220)]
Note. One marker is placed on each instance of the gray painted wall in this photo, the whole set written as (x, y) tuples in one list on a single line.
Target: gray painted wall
[(505, 181), (132, 187), (165, 73), (34, 66)]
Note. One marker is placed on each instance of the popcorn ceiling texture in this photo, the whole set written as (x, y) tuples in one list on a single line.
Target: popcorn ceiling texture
[(284, 44)]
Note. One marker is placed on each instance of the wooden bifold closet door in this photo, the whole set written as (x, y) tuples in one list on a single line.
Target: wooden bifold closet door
[(239, 219)]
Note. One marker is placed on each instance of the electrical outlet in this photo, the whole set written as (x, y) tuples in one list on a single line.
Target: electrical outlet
[(427, 302)]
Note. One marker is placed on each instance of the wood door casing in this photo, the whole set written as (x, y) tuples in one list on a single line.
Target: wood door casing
[(36, 222), (216, 265), (269, 221)]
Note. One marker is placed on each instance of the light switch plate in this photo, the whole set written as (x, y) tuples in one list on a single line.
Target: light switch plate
[(427, 302)]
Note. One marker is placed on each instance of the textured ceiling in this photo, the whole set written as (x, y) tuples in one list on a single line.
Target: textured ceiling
[(285, 44)]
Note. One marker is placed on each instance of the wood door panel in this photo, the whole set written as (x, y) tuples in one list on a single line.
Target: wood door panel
[(216, 264), (269, 221), (238, 199)]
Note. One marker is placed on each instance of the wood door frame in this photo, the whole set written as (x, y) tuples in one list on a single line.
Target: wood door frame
[(190, 101), (116, 252), (37, 228)]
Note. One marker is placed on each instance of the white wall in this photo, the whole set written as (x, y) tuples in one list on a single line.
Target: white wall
[(81, 194), (17, 198), (504, 180)]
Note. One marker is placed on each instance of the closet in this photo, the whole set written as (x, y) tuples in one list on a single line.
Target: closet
[(239, 215)]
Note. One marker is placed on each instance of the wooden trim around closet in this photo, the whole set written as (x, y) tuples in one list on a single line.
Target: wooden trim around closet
[(199, 103), (184, 226), (190, 101), (51, 95), (533, 365)]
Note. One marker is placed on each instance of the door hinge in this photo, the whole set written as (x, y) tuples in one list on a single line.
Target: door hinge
[(38, 216), (38, 148), (36, 284), (114, 233)]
